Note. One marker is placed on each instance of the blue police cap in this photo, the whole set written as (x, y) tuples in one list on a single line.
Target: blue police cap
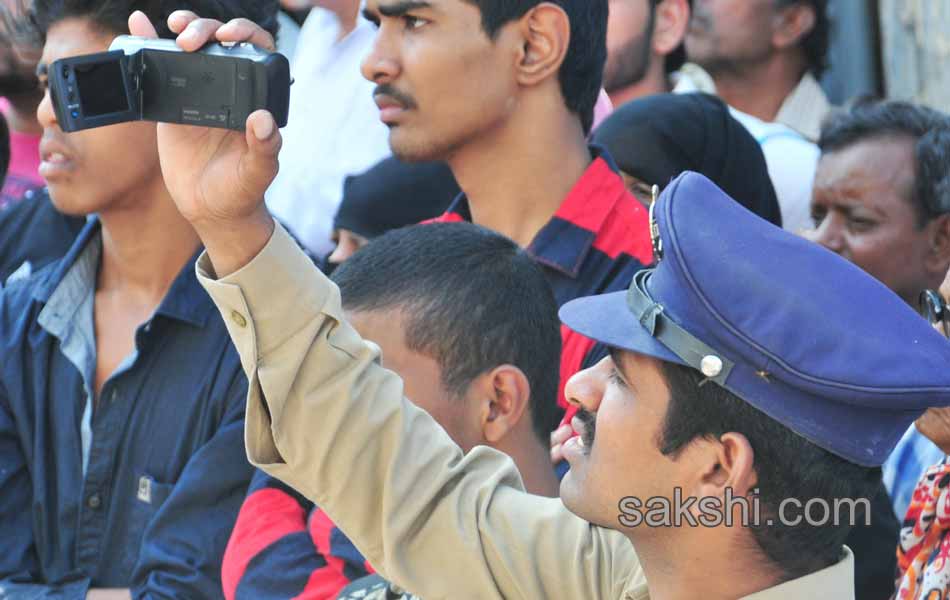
[(790, 327)]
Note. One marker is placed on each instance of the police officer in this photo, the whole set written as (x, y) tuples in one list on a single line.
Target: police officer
[(748, 364)]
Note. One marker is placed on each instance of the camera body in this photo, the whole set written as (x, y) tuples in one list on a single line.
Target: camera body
[(141, 79)]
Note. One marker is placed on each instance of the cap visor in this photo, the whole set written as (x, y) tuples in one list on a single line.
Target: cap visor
[(608, 320)]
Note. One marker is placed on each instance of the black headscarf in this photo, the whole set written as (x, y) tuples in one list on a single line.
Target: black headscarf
[(394, 194), (658, 137)]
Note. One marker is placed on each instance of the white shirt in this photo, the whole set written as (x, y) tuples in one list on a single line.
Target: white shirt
[(792, 161), (333, 128), (791, 158)]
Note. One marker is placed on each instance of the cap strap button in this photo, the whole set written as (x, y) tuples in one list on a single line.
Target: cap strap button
[(711, 366)]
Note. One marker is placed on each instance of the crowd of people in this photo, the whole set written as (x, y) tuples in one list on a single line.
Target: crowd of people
[(515, 274)]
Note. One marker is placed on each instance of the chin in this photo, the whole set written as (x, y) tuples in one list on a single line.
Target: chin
[(71, 202), (412, 148)]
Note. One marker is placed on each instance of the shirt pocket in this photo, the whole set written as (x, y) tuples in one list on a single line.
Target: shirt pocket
[(148, 496)]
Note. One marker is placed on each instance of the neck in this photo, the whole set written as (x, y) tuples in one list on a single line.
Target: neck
[(22, 115), (759, 90), (655, 82), (516, 177), (533, 461), (145, 246), (348, 15), (709, 564)]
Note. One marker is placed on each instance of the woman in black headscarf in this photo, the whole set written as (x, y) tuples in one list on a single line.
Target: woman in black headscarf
[(654, 139)]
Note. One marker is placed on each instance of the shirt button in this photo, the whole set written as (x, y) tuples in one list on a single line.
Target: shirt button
[(94, 501), (238, 319)]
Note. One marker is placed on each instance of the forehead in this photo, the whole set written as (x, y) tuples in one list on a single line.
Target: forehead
[(871, 169), (74, 37)]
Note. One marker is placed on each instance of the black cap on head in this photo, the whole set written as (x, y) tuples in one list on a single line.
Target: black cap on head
[(394, 194)]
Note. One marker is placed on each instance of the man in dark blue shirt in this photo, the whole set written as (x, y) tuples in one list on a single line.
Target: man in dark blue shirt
[(122, 462)]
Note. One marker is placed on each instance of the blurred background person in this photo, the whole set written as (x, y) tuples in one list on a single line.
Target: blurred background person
[(764, 58), (390, 195), (20, 95), (334, 128), (644, 47), (654, 139)]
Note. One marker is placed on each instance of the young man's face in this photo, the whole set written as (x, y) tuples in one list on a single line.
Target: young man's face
[(441, 82), (620, 457), (90, 171), (724, 34), (862, 210), (421, 375), (629, 38)]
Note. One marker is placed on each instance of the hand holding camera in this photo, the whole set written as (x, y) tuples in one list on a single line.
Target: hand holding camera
[(218, 177)]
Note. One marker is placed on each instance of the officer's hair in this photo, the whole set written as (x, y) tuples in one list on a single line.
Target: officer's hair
[(786, 465), (928, 128), (472, 301), (581, 74), (112, 15), (816, 42)]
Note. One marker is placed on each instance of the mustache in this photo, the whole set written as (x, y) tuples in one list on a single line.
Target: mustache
[(589, 421), (389, 91)]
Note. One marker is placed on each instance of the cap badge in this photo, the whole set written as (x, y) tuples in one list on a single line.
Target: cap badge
[(654, 228), (711, 366)]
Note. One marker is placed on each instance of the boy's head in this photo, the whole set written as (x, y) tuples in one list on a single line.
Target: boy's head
[(469, 322), (451, 72), (115, 166)]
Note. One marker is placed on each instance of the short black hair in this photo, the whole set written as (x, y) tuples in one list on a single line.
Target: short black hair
[(113, 15), (816, 42), (472, 299), (930, 130), (786, 465), (582, 73)]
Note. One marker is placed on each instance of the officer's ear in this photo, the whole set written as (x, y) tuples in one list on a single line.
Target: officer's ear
[(938, 259), (504, 394), (727, 463)]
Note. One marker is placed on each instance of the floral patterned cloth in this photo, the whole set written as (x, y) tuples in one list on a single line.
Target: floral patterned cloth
[(923, 554)]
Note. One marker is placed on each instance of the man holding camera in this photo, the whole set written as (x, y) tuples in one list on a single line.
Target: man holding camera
[(122, 462)]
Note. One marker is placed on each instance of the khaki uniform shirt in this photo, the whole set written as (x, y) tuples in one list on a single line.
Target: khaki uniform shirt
[(327, 419)]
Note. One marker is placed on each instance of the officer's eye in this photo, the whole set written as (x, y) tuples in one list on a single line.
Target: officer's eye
[(858, 224), (817, 216), (616, 379)]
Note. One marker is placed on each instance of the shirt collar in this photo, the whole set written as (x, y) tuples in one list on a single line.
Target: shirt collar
[(565, 241), (185, 301), (836, 581), (805, 108)]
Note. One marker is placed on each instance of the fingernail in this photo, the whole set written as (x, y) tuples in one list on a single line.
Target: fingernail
[(263, 129)]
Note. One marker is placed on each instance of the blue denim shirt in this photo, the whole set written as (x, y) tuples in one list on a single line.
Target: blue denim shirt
[(139, 489)]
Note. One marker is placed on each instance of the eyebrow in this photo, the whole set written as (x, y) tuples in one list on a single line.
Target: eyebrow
[(615, 355), (397, 9)]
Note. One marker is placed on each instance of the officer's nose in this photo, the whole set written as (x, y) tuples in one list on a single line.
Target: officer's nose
[(45, 113), (586, 388)]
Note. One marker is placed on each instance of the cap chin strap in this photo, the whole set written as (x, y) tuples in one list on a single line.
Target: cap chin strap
[(692, 351)]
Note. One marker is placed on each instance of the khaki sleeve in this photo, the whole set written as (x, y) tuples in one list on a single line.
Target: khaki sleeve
[(327, 419)]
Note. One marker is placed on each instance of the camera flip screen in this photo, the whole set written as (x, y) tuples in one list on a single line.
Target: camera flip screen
[(100, 88)]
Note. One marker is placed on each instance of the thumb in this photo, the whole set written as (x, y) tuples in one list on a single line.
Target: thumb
[(140, 25), (259, 166)]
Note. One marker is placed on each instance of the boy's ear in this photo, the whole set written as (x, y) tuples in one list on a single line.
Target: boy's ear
[(546, 35)]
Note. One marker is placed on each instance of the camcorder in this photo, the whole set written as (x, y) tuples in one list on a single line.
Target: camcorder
[(141, 79)]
